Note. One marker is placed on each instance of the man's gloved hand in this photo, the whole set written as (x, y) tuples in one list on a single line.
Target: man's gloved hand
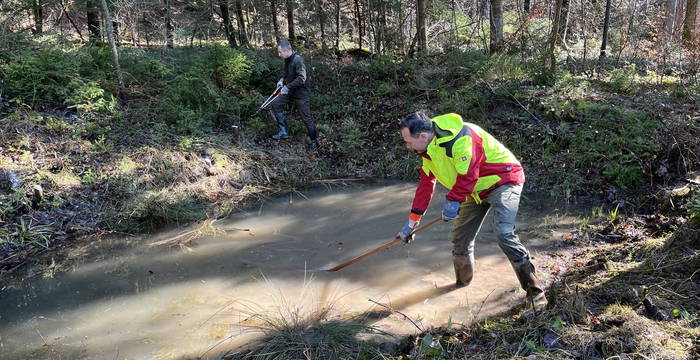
[(280, 82), (405, 233), (284, 90), (450, 210)]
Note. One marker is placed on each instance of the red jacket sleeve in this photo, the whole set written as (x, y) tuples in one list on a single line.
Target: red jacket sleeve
[(469, 159), (424, 192)]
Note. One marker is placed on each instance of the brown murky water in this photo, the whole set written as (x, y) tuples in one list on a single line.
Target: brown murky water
[(160, 303)]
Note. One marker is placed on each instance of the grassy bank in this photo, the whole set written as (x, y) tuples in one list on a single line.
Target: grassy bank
[(183, 146)]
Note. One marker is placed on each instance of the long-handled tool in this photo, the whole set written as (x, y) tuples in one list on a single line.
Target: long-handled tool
[(387, 245), (269, 100)]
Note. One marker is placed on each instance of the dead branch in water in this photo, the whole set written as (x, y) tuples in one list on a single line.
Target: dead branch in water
[(400, 313), (206, 228)]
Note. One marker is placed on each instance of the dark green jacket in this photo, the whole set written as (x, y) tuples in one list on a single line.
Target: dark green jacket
[(295, 75)]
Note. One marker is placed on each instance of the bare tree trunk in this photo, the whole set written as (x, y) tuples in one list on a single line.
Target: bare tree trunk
[(290, 20), (113, 46), (377, 8), (322, 22), (563, 23), (38, 12), (606, 28), (337, 25), (134, 37), (496, 26), (420, 26), (243, 35), (526, 6), (228, 27), (115, 27), (583, 30), (273, 15), (453, 10), (691, 14), (485, 8), (551, 62), (358, 17), (168, 25), (383, 26), (671, 19), (93, 20), (250, 28)]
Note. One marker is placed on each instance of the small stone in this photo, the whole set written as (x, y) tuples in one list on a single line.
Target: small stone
[(388, 347), (551, 340), (13, 179), (661, 171)]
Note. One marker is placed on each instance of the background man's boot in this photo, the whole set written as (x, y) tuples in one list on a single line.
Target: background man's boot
[(313, 145), (464, 269), (282, 134), (529, 282), (282, 123)]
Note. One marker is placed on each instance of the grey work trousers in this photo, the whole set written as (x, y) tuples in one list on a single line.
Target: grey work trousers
[(504, 200)]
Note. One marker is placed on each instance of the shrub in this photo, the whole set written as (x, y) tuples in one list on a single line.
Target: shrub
[(95, 62), (232, 68), (543, 77), (467, 101), (383, 67), (145, 68), (191, 102), (13, 43), (260, 125), (507, 67), (684, 91), (623, 80), (352, 140), (466, 63), (235, 70), (90, 97), (615, 141), (39, 79), (693, 206)]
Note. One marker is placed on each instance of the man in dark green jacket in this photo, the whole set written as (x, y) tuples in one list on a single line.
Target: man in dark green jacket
[(295, 88)]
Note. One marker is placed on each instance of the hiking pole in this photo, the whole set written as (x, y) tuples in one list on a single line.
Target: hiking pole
[(269, 100), (387, 245)]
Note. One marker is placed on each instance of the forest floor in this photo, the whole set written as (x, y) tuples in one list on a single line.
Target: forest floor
[(627, 138)]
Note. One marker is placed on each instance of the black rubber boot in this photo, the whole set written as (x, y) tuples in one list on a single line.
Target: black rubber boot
[(313, 146), (282, 134), (282, 123)]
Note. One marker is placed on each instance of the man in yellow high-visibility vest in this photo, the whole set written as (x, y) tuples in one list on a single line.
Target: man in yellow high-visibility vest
[(481, 174)]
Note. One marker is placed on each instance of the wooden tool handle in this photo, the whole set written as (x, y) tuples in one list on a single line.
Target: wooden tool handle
[(387, 245)]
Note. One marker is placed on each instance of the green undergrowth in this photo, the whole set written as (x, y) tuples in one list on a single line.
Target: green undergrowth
[(185, 146)]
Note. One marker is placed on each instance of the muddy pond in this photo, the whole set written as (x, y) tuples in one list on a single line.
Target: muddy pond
[(161, 302)]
